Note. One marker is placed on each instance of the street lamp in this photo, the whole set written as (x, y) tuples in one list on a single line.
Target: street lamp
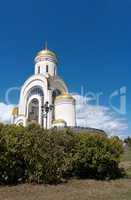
[(45, 110)]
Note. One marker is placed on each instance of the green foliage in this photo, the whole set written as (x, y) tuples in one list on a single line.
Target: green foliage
[(49, 155), (32, 154), (97, 156), (12, 165)]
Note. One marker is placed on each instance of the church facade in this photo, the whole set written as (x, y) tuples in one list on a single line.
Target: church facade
[(44, 97)]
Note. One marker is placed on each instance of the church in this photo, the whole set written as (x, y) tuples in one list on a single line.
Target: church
[(44, 97)]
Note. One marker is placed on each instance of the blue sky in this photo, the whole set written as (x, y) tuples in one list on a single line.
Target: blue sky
[(92, 39)]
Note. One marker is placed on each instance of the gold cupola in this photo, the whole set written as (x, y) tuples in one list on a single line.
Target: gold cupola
[(46, 55), (64, 96)]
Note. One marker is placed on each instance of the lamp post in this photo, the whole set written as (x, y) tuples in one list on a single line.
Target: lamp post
[(45, 111)]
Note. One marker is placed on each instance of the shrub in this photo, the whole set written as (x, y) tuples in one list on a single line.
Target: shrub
[(97, 156), (12, 165), (49, 155), (32, 154)]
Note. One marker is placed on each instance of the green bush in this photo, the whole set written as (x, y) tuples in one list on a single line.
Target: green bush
[(97, 156), (12, 164), (49, 155), (32, 154)]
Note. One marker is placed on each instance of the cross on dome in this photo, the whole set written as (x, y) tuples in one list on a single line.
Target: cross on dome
[(46, 45)]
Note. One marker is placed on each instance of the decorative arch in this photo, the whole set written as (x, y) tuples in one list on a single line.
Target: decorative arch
[(35, 92), (20, 120), (30, 86), (33, 111), (20, 123)]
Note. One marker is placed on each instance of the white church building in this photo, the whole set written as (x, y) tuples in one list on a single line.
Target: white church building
[(44, 97)]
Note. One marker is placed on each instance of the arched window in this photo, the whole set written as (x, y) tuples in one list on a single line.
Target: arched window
[(35, 91), (33, 111), (47, 68), (56, 93), (38, 69)]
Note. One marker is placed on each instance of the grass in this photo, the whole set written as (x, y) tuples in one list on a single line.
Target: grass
[(126, 156), (126, 163), (75, 189)]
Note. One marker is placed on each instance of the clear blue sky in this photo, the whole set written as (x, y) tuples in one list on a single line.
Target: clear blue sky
[(92, 39)]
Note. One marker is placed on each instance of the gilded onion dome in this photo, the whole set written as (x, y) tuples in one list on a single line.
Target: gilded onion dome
[(64, 96), (59, 121), (46, 52), (46, 55)]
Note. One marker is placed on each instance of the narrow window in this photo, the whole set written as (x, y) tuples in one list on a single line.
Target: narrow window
[(38, 69), (46, 68)]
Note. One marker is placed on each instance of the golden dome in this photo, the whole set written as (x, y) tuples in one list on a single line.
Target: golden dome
[(64, 96), (59, 121), (15, 111), (46, 54)]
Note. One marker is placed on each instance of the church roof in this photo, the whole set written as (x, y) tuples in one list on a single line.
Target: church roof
[(64, 96), (46, 53), (59, 121)]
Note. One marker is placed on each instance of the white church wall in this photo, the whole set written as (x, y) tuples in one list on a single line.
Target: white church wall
[(65, 110), (42, 64)]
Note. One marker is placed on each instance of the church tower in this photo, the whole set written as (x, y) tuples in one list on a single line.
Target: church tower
[(44, 97), (46, 62)]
